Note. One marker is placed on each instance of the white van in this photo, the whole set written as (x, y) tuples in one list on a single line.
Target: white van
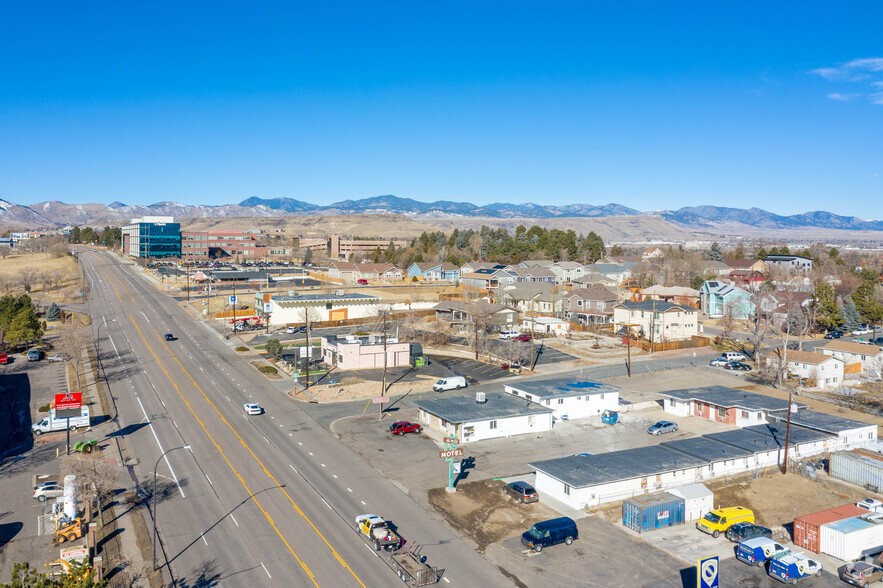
[(452, 383), (732, 356), (509, 334)]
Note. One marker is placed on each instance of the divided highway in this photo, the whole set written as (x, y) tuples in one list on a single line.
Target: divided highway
[(257, 500)]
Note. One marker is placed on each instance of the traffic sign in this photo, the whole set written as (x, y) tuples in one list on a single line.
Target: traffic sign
[(233, 299), (68, 400), (450, 453)]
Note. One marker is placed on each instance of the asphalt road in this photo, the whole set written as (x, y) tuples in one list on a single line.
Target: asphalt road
[(257, 500)]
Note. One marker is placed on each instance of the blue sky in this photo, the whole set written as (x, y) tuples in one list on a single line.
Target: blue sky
[(650, 105)]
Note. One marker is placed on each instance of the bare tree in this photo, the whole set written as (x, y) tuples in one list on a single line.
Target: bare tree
[(57, 278), (95, 478), (728, 321), (26, 278), (5, 251), (44, 278), (6, 284), (480, 314), (73, 337)]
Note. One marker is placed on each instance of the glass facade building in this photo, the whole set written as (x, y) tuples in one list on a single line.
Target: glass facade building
[(152, 236)]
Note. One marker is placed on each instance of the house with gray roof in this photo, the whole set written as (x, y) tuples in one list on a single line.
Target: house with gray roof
[(567, 271), (570, 398), (739, 408), (718, 299), (483, 416)]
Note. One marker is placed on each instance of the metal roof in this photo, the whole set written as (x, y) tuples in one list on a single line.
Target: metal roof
[(708, 449), (691, 491), (461, 409), (730, 397), (589, 470), (820, 421), (323, 297), (770, 437), (561, 388), (851, 525)]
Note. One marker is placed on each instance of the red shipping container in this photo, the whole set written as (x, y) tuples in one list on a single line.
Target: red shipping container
[(806, 528)]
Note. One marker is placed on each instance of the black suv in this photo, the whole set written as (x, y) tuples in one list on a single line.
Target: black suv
[(834, 335), (743, 531)]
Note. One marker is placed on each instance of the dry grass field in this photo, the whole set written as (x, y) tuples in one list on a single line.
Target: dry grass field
[(53, 279)]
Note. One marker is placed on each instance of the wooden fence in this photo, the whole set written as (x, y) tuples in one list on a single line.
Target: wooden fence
[(691, 343)]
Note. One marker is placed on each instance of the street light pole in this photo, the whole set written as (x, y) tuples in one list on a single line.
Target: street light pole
[(154, 497)]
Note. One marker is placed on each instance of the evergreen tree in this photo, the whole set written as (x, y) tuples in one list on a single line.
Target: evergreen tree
[(715, 253), (616, 250), (868, 308), (74, 236), (761, 254), (696, 282), (851, 317), (308, 256), (824, 303), (53, 313)]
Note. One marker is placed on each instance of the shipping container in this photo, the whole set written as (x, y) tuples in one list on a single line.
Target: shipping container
[(806, 528), (858, 467), (698, 500), (852, 538), (653, 511)]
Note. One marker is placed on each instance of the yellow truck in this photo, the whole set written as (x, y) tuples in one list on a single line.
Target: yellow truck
[(719, 520), (378, 532)]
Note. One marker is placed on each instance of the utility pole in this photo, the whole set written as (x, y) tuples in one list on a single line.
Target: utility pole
[(307, 349), (187, 271), (787, 435), (383, 330), (234, 307), (533, 328)]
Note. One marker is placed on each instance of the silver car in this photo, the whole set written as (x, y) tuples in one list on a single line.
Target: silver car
[(662, 427), (45, 490)]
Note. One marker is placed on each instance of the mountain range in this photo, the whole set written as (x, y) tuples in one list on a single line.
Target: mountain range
[(54, 213)]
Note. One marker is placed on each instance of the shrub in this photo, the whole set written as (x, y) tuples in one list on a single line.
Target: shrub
[(53, 313), (268, 369), (44, 408), (274, 348), (242, 348)]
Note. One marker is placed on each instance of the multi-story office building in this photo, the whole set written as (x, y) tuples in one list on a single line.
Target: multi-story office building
[(152, 236), (205, 245)]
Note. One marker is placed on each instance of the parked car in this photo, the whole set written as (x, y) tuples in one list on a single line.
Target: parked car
[(57, 357), (522, 337), (732, 356), (252, 408), (402, 427), (35, 355), (170, 337), (717, 521), (757, 551), (509, 334), (662, 427), (861, 573), (362, 282), (718, 362), (291, 330), (551, 532), (4, 358), (743, 531), (737, 365), (521, 491), (834, 335), (876, 341), (451, 383), (48, 490), (863, 330)]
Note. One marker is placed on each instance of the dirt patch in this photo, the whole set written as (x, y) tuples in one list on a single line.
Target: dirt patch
[(342, 392), (480, 511)]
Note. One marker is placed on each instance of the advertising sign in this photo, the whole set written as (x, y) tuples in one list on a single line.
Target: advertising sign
[(68, 400), (380, 400), (450, 453), (709, 572), (233, 299)]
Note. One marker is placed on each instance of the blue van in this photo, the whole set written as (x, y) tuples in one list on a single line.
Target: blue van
[(551, 532), (756, 552)]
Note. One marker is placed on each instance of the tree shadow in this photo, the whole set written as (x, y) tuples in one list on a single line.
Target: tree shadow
[(8, 531), (206, 575)]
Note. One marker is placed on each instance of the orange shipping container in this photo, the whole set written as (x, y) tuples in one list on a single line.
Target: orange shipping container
[(806, 528)]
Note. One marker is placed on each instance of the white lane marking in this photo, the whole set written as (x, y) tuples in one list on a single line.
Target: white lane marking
[(371, 550), (334, 476), (265, 439), (363, 503), (349, 489), (323, 465), (290, 434), (326, 504), (445, 579), (234, 519), (176, 424), (114, 347), (163, 404), (292, 467), (299, 443), (206, 542), (268, 573), (165, 457), (145, 316), (209, 479)]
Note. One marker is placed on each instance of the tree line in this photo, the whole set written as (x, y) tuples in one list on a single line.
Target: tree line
[(108, 236)]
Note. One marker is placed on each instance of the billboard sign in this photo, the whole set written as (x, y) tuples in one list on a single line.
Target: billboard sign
[(68, 400)]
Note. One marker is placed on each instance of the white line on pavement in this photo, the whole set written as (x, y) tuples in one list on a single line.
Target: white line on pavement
[(349, 489), (292, 467), (234, 519), (363, 503), (203, 539), (265, 439), (114, 347), (209, 479), (265, 569), (446, 580), (145, 316), (166, 457), (326, 504)]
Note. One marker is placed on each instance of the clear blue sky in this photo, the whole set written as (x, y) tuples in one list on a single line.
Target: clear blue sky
[(652, 105)]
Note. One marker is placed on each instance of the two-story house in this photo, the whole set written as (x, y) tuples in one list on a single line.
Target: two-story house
[(592, 305), (790, 263), (434, 272), (657, 320), (567, 271), (534, 297), (720, 299)]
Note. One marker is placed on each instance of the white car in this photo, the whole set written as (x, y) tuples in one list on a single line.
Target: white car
[(863, 331), (291, 330), (57, 357), (718, 362), (509, 334), (252, 408)]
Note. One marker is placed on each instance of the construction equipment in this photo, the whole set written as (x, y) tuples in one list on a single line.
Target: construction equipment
[(68, 529), (86, 446), (610, 417)]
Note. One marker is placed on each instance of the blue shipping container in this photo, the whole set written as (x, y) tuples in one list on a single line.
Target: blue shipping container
[(653, 511)]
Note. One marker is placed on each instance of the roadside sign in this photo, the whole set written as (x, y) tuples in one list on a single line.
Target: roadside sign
[(77, 553), (708, 576), (233, 299), (452, 441), (450, 453), (68, 413), (380, 400), (267, 306), (68, 400), (457, 467)]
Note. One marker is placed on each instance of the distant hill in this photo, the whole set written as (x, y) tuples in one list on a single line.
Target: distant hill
[(702, 218)]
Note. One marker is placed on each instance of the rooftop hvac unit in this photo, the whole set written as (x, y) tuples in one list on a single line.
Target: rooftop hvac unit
[(291, 293), (479, 398), (339, 293)]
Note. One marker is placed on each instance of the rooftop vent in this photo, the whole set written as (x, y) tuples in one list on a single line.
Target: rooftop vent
[(479, 398)]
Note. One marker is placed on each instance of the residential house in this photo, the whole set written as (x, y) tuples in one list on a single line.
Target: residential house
[(350, 272), (714, 268), (570, 398), (434, 272), (614, 272), (485, 416), (652, 252), (474, 266), (488, 278), (545, 324), (754, 265), (657, 320), (594, 277), (625, 260), (675, 294), (855, 356), (720, 299), (533, 297), (567, 271), (592, 305), (498, 316), (790, 263), (536, 274), (826, 371), (730, 406), (544, 263), (748, 279)]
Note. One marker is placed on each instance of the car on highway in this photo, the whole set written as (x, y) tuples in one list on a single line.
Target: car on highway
[(402, 427), (662, 427), (863, 330), (170, 337), (252, 408), (737, 365), (4, 358), (522, 337), (861, 573), (362, 282), (521, 491), (743, 531), (834, 335), (48, 490), (718, 362)]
